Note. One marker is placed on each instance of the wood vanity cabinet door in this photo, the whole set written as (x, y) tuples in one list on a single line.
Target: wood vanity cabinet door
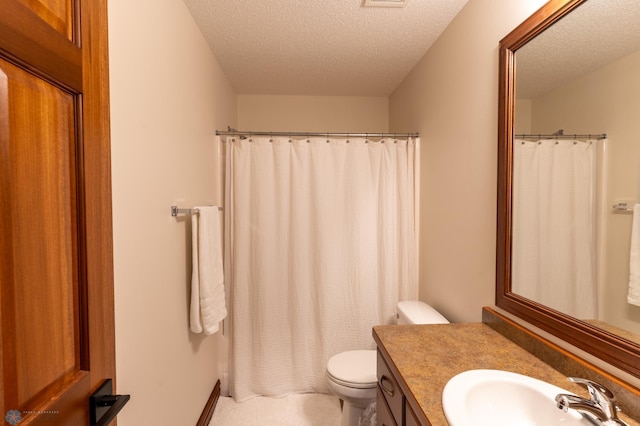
[(410, 417), (383, 413), (390, 390)]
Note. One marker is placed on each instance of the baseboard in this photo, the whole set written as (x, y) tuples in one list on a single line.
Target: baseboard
[(207, 413)]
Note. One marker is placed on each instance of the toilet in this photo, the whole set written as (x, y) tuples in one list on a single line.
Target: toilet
[(351, 375)]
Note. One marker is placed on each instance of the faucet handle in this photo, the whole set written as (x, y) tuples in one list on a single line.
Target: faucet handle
[(601, 396), (597, 392)]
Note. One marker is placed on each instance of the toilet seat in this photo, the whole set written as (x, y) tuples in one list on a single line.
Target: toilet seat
[(353, 369)]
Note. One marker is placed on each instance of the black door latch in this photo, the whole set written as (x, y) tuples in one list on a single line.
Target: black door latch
[(104, 406)]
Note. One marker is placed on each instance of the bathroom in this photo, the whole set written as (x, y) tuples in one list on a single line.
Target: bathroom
[(168, 95), (158, 361)]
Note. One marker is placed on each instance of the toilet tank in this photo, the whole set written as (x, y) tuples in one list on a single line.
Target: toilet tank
[(417, 312)]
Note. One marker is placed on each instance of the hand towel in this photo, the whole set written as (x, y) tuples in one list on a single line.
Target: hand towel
[(633, 296), (208, 305)]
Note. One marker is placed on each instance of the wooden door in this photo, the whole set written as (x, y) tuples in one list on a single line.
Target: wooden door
[(56, 264)]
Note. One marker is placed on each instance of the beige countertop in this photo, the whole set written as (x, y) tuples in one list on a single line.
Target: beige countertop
[(427, 356)]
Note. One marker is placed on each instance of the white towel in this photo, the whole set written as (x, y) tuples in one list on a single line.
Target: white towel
[(633, 297), (208, 306)]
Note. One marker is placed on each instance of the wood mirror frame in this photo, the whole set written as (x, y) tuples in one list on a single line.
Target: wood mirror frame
[(613, 349)]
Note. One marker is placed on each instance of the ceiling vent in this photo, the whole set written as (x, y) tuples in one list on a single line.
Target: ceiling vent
[(384, 3)]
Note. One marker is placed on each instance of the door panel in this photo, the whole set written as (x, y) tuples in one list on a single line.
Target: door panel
[(41, 191), (56, 263), (57, 13), (36, 46)]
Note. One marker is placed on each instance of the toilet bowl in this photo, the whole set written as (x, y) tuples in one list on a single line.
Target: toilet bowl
[(351, 375)]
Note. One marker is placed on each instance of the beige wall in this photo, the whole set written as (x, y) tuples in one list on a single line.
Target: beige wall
[(451, 98), (606, 101), (313, 113), (168, 95)]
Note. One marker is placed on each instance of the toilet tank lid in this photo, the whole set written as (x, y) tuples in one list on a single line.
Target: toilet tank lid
[(418, 312)]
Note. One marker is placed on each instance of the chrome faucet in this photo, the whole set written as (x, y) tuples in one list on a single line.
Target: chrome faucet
[(600, 409)]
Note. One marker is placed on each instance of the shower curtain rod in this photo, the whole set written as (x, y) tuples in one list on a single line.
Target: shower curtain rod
[(234, 132)]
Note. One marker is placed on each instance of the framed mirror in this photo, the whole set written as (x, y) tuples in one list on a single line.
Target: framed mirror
[(558, 70)]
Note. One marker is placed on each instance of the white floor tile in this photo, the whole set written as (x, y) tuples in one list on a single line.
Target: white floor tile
[(292, 410)]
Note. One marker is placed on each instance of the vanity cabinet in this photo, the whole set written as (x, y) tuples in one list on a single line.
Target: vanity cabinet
[(417, 361), (383, 413), (393, 408), (410, 418)]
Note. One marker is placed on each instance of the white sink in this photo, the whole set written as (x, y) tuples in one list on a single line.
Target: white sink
[(502, 398)]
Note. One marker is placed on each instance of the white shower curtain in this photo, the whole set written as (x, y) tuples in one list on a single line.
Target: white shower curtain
[(321, 240), (554, 225)]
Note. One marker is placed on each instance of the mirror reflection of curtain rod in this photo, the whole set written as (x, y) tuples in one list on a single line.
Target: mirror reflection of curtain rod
[(560, 135), (234, 132)]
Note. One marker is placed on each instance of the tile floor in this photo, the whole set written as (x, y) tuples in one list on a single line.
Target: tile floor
[(292, 410)]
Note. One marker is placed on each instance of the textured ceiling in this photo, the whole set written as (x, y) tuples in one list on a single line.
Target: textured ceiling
[(597, 33), (319, 47)]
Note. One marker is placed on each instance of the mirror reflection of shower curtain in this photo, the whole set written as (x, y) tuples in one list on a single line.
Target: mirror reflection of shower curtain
[(322, 242), (554, 228)]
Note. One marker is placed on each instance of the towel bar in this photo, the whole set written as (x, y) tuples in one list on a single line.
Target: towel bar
[(623, 207), (175, 211)]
